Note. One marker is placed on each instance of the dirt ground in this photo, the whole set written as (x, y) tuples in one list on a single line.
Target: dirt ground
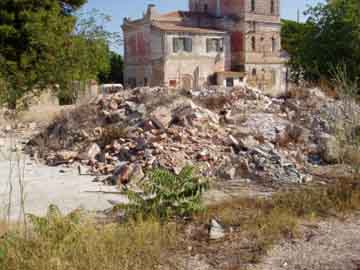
[(40, 185), (328, 245)]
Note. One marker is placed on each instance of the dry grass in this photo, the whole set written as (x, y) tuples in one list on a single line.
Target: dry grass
[(43, 113), (255, 225), (258, 224), (63, 246), (298, 93), (65, 130), (328, 88), (3, 228)]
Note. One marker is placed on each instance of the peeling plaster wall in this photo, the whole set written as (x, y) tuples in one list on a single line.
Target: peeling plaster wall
[(263, 28), (265, 51), (263, 7), (144, 54), (137, 42), (218, 7), (270, 78), (197, 67), (148, 52)]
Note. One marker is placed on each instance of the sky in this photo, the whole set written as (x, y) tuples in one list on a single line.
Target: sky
[(118, 9)]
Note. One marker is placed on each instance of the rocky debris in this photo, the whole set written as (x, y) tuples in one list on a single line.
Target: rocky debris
[(239, 133), (121, 174), (161, 117), (216, 231), (91, 152), (66, 156), (248, 142), (330, 148), (268, 126), (265, 163)]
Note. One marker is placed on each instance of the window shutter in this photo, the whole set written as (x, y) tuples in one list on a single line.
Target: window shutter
[(208, 45), (188, 44), (175, 45), (221, 44)]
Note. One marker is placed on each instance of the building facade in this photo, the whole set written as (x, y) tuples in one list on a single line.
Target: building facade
[(215, 42)]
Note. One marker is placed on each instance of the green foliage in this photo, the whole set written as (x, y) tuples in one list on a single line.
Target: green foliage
[(55, 226), (44, 45), (85, 56), (115, 73), (329, 38), (168, 195)]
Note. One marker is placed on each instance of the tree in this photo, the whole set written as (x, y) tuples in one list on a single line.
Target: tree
[(85, 56), (43, 44), (330, 38), (293, 39), (115, 73)]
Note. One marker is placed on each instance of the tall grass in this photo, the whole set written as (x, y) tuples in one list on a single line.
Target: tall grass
[(63, 243)]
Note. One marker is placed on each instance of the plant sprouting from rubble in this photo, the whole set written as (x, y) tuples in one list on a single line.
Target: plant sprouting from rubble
[(168, 195)]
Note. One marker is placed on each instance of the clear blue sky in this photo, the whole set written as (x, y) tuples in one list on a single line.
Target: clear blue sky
[(118, 9)]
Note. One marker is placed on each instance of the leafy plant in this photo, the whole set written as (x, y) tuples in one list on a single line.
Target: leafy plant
[(167, 195), (55, 226)]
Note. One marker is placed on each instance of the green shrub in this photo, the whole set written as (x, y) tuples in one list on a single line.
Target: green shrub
[(167, 195)]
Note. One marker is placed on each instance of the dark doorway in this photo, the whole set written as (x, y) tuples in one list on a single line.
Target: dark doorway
[(229, 82)]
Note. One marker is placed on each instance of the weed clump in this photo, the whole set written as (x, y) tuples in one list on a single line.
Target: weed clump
[(168, 195), (73, 242)]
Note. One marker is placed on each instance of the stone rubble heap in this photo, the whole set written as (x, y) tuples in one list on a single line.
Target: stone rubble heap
[(227, 134)]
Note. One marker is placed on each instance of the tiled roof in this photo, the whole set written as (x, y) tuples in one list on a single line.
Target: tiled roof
[(176, 22), (175, 27), (181, 14)]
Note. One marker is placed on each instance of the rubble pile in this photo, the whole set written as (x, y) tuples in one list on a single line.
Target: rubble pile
[(227, 134)]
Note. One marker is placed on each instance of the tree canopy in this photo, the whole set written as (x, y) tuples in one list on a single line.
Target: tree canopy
[(115, 73), (44, 44), (329, 38)]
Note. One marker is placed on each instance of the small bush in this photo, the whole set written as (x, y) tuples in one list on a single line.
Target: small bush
[(168, 195)]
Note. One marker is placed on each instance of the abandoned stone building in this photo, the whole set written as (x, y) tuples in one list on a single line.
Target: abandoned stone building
[(221, 42)]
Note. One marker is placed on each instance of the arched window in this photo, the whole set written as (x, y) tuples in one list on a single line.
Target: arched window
[(272, 7), (273, 44), (252, 5), (253, 43)]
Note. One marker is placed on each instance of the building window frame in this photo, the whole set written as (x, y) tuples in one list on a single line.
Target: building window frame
[(273, 44), (230, 82), (253, 43), (254, 72), (173, 83), (206, 8), (272, 7), (182, 44), (215, 45), (253, 6)]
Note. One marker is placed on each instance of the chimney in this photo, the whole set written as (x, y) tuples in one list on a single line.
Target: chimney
[(151, 11)]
